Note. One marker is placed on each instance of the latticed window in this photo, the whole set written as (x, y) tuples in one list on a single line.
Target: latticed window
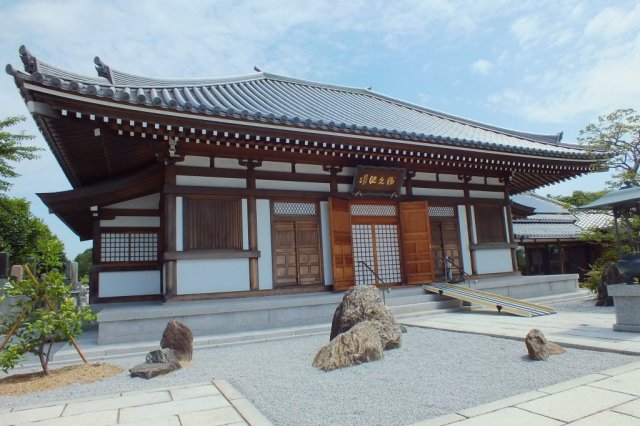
[(291, 208), (128, 247), (489, 224), (441, 211), (373, 210), (212, 223)]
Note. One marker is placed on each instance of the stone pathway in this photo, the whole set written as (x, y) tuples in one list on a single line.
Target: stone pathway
[(611, 397), (213, 403)]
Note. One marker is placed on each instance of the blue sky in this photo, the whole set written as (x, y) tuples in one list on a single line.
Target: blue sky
[(536, 66)]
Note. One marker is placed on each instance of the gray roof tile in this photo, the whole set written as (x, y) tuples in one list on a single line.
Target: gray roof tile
[(273, 98)]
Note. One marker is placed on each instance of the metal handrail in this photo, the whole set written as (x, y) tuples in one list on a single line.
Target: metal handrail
[(460, 268), (385, 288)]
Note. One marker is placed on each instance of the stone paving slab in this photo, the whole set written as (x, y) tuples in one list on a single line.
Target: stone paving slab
[(581, 401), (212, 403)]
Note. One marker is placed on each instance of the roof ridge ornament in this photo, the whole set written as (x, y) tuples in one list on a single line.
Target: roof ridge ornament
[(103, 69), (30, 62)]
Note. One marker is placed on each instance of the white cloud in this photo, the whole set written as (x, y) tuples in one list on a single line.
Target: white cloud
[(482, 67), (613, 22)]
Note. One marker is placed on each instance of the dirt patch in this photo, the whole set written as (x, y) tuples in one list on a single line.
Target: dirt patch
[(19, 384)]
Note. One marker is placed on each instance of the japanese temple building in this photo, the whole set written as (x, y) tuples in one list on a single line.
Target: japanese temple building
[(264, 184)]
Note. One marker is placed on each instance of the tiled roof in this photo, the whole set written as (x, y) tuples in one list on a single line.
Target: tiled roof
[(540, 203), (593, 219), (546, 230), (616, 197), (275, 99)]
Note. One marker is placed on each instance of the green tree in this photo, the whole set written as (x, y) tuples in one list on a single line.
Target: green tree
[(11, 150), (85, 263), (44, 313), (23, 235), (578, 198), (617, 133)]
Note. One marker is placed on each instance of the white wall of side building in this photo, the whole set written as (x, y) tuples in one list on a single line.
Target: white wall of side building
[(265, 261), (212, 275), (493, 261), (464, 239), (326, 243), (129, 283)]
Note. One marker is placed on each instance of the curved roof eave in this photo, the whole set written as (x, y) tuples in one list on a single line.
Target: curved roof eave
[(396, 118)]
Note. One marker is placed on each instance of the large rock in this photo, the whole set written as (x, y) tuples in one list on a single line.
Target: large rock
[(149, 371), (359, 344), (161, 356), (363, 303), (555, 349), (610, 275), (537, 345), (178, 337)]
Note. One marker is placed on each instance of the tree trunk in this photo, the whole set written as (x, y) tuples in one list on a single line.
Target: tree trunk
[(44, 362)]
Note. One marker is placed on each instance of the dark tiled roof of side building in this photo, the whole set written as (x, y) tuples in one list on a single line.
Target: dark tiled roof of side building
[(282, 100)]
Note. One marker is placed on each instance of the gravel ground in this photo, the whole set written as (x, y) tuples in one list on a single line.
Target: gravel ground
[(433, 373)]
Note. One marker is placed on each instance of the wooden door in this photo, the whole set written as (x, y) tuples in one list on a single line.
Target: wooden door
[(446, 242), (308, 250), (416, 242), (341, 245), (296, 250), (284, 253)]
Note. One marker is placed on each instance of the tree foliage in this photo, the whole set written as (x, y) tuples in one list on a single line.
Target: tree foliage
[(617, 133), (23, 235), (50, 315), (85, 263), (578, 198), (12, 150)]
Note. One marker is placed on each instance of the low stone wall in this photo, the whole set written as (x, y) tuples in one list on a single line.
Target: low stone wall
[(523, 287)]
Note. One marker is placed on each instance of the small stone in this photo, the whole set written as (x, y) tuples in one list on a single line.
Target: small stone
[(359, 344), (178, 337), (537, 345), (149, 371), (555, 349), (161, 356)]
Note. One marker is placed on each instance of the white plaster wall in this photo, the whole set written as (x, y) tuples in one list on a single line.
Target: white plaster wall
[(131, 222), (147, 202), (464, 239), (195, 161), (348, 171), (425, 176), (245, 225), (212, 275), (290, 185), (315, 169), (179, 225), (276, 166), (131, 283), (265, 265), (210, 181), (435, 192), (493, 261), (326, 243), (493, 181), (227, 163), (343, 187), (487, 194), (449, 178)]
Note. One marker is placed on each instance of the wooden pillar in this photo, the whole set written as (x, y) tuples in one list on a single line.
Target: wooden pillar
[(169, 228), (514, 256), (94, 288), (252, 220), (333, 177), (467, 204), (561, 256), (408, 182)]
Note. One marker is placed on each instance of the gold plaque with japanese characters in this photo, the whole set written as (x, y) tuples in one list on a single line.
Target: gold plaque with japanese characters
[(378, 181)]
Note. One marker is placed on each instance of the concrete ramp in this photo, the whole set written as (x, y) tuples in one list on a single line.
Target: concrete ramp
[(501, 303)]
